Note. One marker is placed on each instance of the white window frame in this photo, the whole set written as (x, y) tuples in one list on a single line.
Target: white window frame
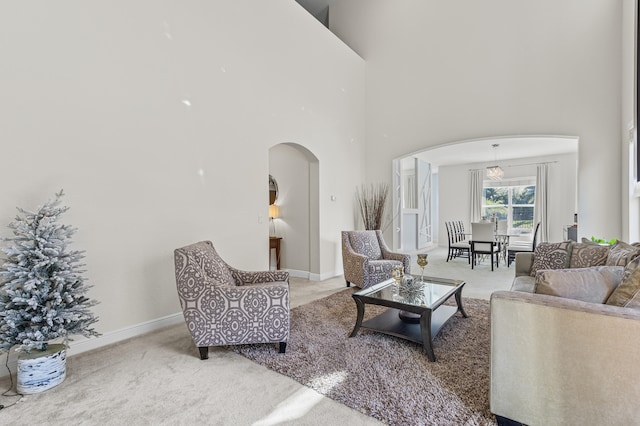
[(509, 183)]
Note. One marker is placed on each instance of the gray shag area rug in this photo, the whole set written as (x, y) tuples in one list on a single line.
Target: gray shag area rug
[(382, 376)]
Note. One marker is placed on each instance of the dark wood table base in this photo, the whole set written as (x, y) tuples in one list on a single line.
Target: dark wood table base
[(422, 332), (409, 317)]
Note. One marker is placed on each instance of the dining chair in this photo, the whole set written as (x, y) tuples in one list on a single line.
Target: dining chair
[(522, 247), (458, 246), (502, 227), (483, 243), (502, 237)]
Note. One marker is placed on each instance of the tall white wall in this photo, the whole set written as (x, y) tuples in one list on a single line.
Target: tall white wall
[(444, 71), (630, 199), (157, 118), (454, 201)]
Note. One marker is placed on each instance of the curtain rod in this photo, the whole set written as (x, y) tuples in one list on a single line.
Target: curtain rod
[(531, 164), (517, 165)]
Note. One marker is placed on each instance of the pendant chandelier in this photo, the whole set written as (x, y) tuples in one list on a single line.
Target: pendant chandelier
[(495, 172)]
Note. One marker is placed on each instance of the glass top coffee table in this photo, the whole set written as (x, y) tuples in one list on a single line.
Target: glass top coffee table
[(416, 310)]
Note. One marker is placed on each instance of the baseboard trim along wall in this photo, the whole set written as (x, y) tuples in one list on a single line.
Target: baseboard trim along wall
[(84, 345), (311, 277), (299, 274)]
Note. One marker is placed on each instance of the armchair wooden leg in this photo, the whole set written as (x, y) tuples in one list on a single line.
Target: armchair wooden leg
[(282, 347), (348, 284), (204, 352)]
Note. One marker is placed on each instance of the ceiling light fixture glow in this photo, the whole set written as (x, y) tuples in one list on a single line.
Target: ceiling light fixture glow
[(495, 172)]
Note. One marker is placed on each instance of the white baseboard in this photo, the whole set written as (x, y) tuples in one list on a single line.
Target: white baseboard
[(299, 274), (84, 345), (312, 277), (328, 275), (315, 277), (79, 346)]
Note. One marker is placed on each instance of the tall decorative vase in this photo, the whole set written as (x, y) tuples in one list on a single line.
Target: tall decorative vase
[(39, 371)]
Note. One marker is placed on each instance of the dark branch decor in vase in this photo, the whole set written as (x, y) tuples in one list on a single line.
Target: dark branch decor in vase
[(372, 200), (42, 296)]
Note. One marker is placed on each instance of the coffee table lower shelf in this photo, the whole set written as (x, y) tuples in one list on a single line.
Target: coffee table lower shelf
[(389, 322)]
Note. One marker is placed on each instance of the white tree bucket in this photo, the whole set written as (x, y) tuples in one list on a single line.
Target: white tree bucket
[(39, 371)]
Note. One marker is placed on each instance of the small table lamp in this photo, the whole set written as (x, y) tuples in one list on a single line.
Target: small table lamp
[(274, 212)]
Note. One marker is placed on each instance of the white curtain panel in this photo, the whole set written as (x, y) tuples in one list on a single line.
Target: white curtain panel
[(541, 206), (475, 192)]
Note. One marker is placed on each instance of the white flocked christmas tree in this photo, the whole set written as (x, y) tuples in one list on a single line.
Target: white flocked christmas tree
[(42, 291)]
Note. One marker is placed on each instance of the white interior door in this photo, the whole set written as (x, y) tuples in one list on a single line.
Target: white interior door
[(425, 228)]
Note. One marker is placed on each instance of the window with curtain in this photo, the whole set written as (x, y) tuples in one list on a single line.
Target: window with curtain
[(511, 201)]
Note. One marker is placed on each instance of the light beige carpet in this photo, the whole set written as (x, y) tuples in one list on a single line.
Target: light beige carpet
[(158, 378), (387, 377)]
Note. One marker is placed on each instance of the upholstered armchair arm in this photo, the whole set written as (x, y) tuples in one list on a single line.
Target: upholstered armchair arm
[(557, 361), (357, 262), (354, 265), (258, 277), (400, 257), (387, 254)]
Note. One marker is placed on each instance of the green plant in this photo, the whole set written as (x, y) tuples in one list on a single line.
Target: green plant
[(602, 241)]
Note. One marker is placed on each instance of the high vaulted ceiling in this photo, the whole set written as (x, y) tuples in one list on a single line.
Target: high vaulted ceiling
[(318, 8), (474, 151)]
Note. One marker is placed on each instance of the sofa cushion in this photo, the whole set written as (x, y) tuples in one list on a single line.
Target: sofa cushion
[(585, 255), (622, 253), (366, 243), (627, 293), (551, 256), (631, 267), (593, 285)]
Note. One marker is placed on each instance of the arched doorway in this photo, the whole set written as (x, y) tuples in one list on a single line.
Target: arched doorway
[(449, 162), (296, 170)]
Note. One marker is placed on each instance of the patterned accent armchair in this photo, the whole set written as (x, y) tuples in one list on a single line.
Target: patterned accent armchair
[(225, 306), (367, 260)]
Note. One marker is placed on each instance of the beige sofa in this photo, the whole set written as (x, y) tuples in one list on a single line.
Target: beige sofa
[(560, 354)]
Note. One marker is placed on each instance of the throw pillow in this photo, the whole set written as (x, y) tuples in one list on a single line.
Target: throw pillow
[(593, 285), (622, 253), (585, 255), (630, 268), (551, 256), (627, 292)]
